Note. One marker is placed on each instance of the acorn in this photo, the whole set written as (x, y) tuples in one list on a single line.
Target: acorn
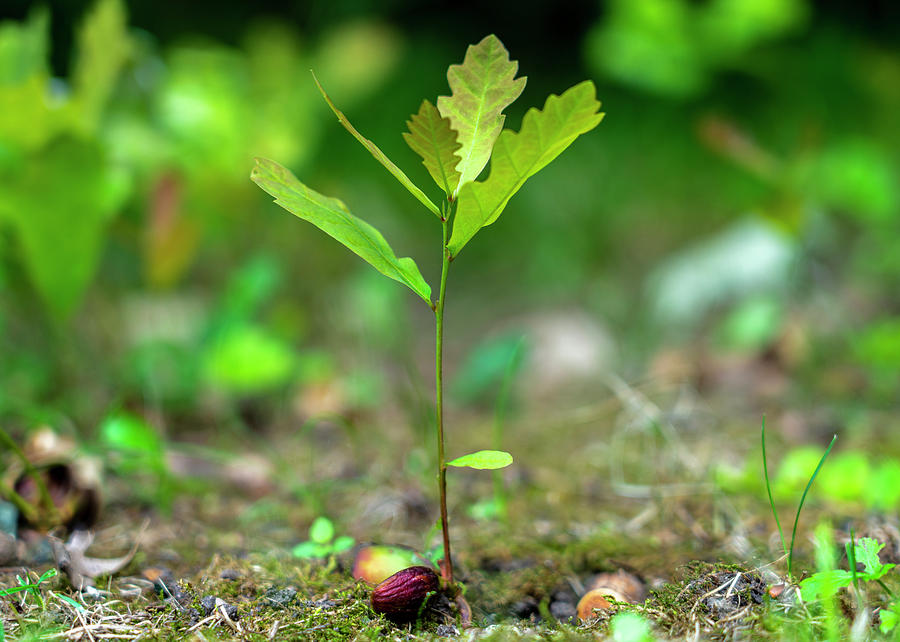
[(595, 599), (401, 596), (620, 586)]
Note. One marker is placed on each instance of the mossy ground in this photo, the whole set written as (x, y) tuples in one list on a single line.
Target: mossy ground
[(612, 493)]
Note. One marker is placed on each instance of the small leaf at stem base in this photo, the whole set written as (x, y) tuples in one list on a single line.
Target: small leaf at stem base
[(483, 460)]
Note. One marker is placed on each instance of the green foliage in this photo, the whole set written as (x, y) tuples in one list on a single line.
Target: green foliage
[(878, 346), (889, 618), (434, 139), (674, 47), (58, 186), (856, 178), (545, 134), (135, 449), (28, 120), (332, 217), (321, 541), (103, 47), (32, 588), (851, 477), (487, 365), (67, 180), (247, 359), (752, 324), (483, 86), (389, 165), (483, 460), (630, 627), (826, 583)]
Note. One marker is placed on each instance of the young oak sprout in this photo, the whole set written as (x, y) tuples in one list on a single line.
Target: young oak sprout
[(456, 139)]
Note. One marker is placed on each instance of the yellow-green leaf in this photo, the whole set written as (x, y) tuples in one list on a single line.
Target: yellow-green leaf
[(395, 171), (483, 86), (483, 460), (517, 156), (432, 138), (103, 48), (332, 217)]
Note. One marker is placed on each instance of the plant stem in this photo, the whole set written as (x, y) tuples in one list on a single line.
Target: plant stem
[(447, 568)]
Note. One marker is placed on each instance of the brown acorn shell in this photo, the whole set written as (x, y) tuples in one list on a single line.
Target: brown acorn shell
[(622, 585), (400, 597), (594, 599)]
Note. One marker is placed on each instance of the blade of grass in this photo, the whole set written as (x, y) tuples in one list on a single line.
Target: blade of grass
[(769, 488), (803, 499), (850, 547)]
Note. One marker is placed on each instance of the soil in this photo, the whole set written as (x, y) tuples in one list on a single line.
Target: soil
[(625, 487)]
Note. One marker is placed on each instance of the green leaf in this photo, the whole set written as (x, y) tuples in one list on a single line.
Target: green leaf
[(29, 118), (824, 584), (630, 627), (248, 359), (483, 460), (342, 543), (888, 620), (866, 550), (23, 48), (310, 550), (517, 156), (103, 48), (432, 138), (332, 217), (124, 431), (379, 155), (59, 202), (132, 437), (483, 86), (321, 531)]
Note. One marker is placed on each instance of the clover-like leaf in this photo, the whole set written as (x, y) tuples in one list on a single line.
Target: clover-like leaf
[(866, 551), (332, 217), (379, 155), (825, 584), (517, 156), (432, 138), (482, 87), (483, 460), (321, 531)]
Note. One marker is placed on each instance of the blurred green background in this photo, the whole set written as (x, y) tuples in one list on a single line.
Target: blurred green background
[(739, 201)]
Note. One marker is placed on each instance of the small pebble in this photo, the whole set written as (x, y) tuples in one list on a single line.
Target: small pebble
[(562, 610), (232, 612), (208, 603), (230, 574), (9, 518), (446, 631), (525, 608), (9, 549), (280, 598)]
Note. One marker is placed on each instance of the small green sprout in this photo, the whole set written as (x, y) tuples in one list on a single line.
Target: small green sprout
[(31, 588), (322, 542), (456, 138)]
